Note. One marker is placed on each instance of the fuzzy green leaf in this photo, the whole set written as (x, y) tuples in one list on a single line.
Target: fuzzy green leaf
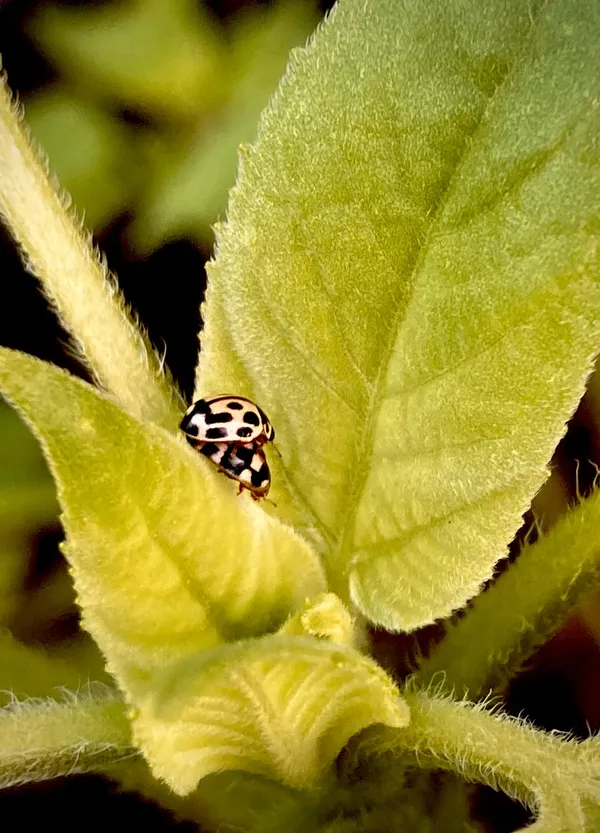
[(167, 561), (278, 706), (76, 280), (406, 284), (557, 778)]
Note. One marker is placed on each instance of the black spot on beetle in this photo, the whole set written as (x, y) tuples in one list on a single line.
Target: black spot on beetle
[(200, 407), (261, 476), (221, 417), (188, 427), (216, 433), (245, 455), (236, 466), (235, 406), (244, 432), (226, 461), (209, 449), (251, 418)]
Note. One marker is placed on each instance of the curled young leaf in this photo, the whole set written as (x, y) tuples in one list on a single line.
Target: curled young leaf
[(407, 283), (280, 706), (167, 561), (324, 617)]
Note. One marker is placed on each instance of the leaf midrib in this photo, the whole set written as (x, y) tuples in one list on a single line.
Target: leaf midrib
[(360, 471)]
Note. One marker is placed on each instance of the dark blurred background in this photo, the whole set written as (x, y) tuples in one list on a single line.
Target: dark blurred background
[(140, 107)]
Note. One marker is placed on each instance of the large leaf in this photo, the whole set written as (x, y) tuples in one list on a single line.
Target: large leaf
[(406, 284), (167, 561)]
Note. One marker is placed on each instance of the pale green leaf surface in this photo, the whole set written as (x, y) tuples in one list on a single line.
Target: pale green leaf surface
[(406, 284), (281, 706), (163, 56), (167, 561)]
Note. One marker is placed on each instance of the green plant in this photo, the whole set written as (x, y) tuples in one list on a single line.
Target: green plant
[(416, 221)]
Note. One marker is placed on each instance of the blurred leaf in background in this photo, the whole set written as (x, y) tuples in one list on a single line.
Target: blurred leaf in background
[(163, 58), (153, 99), (190, 191), (91, 151)]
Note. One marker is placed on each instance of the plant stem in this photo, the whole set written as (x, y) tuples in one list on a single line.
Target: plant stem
[(75, 279), (554, 777), (41, 739)]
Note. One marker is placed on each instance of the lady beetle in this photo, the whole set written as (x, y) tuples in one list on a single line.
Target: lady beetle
[(244, 462), (231, 431), (226, 419)]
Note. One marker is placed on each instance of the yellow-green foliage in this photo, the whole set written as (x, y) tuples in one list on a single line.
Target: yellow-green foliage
[(145, 520), (416, 222), (46, 738)]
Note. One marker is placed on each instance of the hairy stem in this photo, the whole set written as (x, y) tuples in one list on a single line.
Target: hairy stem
[(554, 777), (41, 739), (75, 279)]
